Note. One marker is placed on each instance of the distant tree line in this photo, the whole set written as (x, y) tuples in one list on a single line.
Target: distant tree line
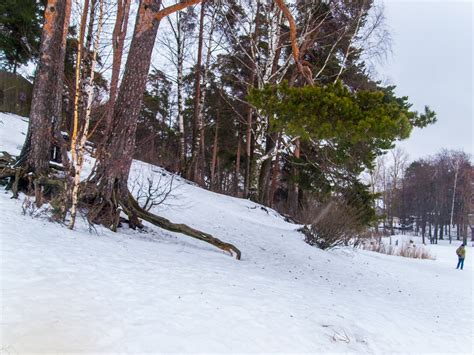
[(431, 197)]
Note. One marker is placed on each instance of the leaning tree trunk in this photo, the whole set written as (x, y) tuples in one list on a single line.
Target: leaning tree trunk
[(115, 158), (45, 110), (107, 191)]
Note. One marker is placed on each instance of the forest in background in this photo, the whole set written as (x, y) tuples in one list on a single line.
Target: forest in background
[(256, 99)]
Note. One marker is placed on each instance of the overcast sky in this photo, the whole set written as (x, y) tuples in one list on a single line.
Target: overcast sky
[(432, 64)]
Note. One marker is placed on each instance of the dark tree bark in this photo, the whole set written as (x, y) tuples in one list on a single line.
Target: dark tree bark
[(195, 166), (237, 165), (275, 174), (265, 170), (215, 150), (118, 39), (115, 157), (180, 97), (45, 112), (107, 191), (249, 136), (293, 193)]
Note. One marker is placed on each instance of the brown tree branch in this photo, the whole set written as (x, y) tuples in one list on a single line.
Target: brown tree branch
[(174, 8), (305, 72)]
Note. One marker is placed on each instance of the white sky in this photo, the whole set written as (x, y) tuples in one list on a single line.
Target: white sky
[(432, 64)]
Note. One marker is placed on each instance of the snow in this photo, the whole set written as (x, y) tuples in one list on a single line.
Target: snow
[(156, 291), (12, 132)]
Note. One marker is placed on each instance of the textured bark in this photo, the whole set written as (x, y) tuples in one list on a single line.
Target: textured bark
[(265, 170), (275, 175), (90, 27), (118, 39), (78, 143), (214, 154), (77, 87), (195, 170), (47, 91), (180, 43), (107, 191), (265, 194), (248, 152), (249, 136), (293, 196), (176, 7), (115, 157), (237, 165), (131, 207), (304, 71)]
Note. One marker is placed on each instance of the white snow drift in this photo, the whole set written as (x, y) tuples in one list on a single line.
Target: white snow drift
[(154, 291)]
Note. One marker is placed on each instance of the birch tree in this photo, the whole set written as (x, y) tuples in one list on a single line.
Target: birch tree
[(78, 140)]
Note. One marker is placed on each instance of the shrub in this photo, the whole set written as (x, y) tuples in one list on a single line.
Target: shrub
[(331, 224), (408, 250)]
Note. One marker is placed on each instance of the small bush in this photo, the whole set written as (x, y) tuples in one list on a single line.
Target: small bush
[(332, 224), (407, 250), (29, 208)]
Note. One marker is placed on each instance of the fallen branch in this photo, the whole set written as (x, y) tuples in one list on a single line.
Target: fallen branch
[(133, 209)]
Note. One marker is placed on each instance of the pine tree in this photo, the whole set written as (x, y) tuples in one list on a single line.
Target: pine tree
[(45, 115), (20, 32)]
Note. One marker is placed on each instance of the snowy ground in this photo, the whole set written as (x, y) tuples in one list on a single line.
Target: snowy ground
[(154, 291)]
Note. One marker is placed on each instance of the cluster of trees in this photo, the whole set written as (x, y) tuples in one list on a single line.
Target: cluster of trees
[(430, 197), (216, 115), (257, 99)]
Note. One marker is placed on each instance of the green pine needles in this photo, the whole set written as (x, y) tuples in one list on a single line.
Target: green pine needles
[(368, 121)]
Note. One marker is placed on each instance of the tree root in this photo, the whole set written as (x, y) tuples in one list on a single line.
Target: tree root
[(103, 211), (134, 211)]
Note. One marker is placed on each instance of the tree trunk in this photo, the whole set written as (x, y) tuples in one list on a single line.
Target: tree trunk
[(47, 91), (249, 136), (237, 165), (265, 170), (248, 152), (214, 154), (78, 80), (79, 143), (195, 170), (118, 39), (275, 174), (115, 158), (180, 86), (293, 197), (90, 28)]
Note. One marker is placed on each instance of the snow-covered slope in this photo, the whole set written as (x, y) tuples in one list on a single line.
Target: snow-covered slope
[(155, 291)]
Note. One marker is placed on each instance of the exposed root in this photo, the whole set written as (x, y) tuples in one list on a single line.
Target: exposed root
[(106, 212), (134, 211)]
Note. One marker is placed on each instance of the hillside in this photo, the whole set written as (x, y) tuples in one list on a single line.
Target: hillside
[(155, 291)]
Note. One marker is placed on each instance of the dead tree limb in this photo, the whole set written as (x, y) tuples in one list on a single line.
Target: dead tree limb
[(134, 211)]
